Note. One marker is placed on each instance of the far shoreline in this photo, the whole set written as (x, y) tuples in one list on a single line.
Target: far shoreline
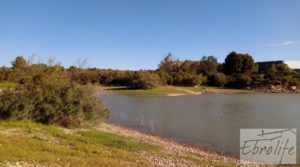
[(174, 91)]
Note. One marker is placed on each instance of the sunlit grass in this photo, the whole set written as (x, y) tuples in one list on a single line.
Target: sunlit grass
[(36, 143), (162, 90), (51, 145)]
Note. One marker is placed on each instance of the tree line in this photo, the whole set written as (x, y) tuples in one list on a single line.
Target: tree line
[(238, 71)]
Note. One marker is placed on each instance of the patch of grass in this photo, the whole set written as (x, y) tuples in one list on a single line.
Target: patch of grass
[(158, 91), (4, 85), (51, 145), (48, 145), (114, 141)]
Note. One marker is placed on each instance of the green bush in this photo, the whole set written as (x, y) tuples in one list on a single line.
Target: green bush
[(187, 79), (145, 80), (192, 80), (217, 79), (49, 97), (239, 81), (166, 79)]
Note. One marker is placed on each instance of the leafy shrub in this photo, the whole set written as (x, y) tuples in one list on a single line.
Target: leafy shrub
[(49, 97), (192, 80), (239, 81), (166, 79), (187, 79), (145, 80), (217, 79)]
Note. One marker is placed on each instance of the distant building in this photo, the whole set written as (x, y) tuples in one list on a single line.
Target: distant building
[(265, 65)]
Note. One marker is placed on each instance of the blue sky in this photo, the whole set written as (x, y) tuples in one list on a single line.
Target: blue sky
[(137, 34)]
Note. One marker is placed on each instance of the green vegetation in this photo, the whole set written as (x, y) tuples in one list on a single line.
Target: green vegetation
[(187, 73), (50, 145), (145, 80), (217, 79), (157, 91), (38, 144), (237, 63), (46, 94), (172, 90), (239, 70)]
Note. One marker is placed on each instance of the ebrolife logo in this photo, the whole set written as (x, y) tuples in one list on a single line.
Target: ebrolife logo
[(271, 146)]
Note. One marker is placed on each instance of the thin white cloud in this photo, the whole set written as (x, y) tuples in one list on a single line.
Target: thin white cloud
[(284, 43), (295, 64), (288, 42)]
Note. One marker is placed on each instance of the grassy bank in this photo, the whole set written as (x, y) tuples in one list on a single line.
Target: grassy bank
[(172, 90), (158, 91), (106, 145)]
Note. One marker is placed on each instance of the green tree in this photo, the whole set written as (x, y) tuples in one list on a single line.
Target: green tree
[(19, 63), (19, 69), (208, 65), (237, 63), (169, 65), (4, 73)]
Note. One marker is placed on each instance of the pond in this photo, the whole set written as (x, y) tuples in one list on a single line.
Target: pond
[(211, 121)]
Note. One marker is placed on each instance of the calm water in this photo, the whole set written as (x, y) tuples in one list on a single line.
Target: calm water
[(210, 121)]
